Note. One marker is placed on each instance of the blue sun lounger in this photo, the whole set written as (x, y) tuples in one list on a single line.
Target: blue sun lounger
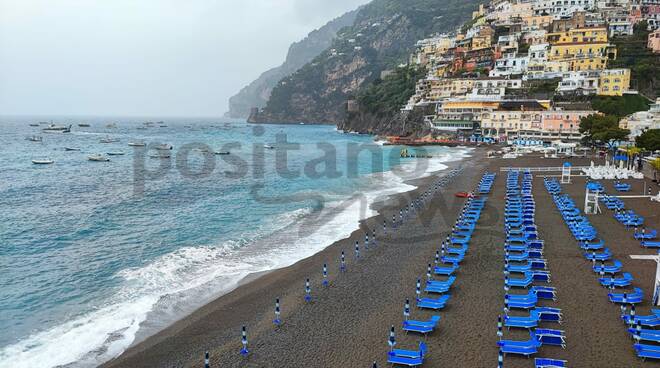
[(525, 348), (423, 327), (624, 281), (592, 245), (645, 334), (550, 337), (650, 243), (652, 320), (520, 303), (612, 268), (549, 363), (523, 282), (436, 286), (604, 255), (445, 269), (452, 258), (646, 235), (645, 351), (433, 303), (410, 358), (637, 296), (549, 314), (528, 322)]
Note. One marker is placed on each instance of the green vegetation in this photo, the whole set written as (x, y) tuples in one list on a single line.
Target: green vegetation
[(388, 95), (386, 32), (649, 140), (644, 65), (620, 105), (602, 129)]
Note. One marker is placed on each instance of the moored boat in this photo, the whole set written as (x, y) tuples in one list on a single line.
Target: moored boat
[(109, 140), (115, 153), (34, 138), (44, 161), (70, 149), (137, 144), (52, 128), (98, 158)]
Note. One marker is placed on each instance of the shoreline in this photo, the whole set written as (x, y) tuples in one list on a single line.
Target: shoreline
[(241, 293)]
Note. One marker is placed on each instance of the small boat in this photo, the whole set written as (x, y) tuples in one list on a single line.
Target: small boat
[(52, 128), (42, 162), (115, 153), (111, 125), (137, 144), (109, 140), (34, 124), (98, 158), (163, 126), (221, 152), (141, 128), (70, 149), (163, 147), (163, 155), (268, 146), (34, 138), (84, 125)]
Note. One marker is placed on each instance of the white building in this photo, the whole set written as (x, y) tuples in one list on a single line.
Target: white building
[(579, 82), (642, 120), (509, 64)]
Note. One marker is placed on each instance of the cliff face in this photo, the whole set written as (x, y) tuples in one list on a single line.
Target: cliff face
[(384, 35), (256, 94)]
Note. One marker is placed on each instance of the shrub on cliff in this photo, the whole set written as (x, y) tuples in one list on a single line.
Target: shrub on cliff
[(387, 96)]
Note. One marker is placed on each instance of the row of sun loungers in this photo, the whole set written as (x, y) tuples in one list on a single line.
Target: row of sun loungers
[(525, 267), (446, 264), (609, 269)]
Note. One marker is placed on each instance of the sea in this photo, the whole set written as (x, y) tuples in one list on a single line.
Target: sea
[(96, 256)]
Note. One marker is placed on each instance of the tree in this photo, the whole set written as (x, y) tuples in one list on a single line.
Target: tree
[(649, 140), (602, 129)]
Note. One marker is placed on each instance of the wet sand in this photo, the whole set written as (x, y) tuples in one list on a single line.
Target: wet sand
[(347, 323)]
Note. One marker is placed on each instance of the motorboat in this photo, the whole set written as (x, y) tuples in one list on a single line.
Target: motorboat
[(71, 149), (34, 125), (44, 161), (137, 144), (115, 153), (221, 152), (34, 138), (163, 147), (84, 125), (52, 128), (109, 140), (268, 146), (98, 158), (162, 155)]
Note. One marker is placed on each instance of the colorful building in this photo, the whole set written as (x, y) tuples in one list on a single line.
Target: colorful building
[(614, 82)]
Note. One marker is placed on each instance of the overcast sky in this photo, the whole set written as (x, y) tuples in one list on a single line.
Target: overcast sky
[(144, 57)]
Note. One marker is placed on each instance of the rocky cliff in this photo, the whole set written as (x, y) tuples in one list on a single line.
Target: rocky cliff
[(256, 94), (383, 36)]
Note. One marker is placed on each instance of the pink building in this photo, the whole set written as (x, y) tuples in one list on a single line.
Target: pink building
[(554, 121), (654, 41)]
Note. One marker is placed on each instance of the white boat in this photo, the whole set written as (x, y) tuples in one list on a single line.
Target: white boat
[(162, 155), (268, 146), (34, 138), (97, 157), (115, 153), (42, 162), (109, 140), (137, 144), (52, 128), (164, 147)]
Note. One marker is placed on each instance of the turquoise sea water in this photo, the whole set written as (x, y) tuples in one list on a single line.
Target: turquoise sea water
[(95, 255)]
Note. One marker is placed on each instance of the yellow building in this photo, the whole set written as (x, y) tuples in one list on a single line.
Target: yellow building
[(579, 35), (614, 82), (449, 87), (582, 48)]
